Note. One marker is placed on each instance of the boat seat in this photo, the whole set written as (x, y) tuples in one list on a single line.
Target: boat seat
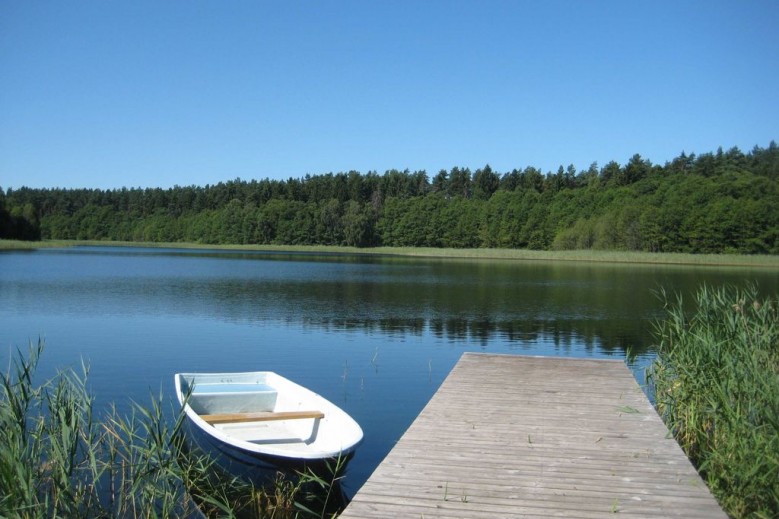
[(211, 398), (221, 418)]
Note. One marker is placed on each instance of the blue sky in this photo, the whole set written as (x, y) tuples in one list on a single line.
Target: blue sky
[(106, 94)]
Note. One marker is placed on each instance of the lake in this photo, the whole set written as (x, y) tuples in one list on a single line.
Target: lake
[(374, 334)]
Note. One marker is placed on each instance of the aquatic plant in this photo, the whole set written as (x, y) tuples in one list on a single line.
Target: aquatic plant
[(58, 460), (716, 385)]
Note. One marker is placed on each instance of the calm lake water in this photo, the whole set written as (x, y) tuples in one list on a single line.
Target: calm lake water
[(376, 335)]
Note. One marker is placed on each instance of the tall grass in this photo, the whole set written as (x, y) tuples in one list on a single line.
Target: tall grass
[(57, 460), (716, 385), (586, 256)]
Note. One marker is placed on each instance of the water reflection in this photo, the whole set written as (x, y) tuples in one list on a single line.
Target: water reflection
[(594, 305), (587, 334), (375, 334)]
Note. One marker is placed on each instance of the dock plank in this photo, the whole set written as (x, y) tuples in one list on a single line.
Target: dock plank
[(518, 436)]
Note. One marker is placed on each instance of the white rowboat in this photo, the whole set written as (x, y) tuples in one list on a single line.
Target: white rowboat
[(265, 421)]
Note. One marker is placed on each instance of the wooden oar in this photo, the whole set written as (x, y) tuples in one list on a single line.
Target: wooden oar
[(214, 419)]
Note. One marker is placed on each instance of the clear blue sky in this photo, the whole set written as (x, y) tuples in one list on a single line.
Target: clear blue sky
[(107, 94)]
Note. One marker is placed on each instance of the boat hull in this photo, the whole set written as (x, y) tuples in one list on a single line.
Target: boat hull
[(256, 467), (228, 420)]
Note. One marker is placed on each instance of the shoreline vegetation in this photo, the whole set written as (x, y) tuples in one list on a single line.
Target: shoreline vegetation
[(712, 203), (716, 386), (592, 256)]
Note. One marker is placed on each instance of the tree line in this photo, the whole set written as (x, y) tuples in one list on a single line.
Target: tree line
[(726, 201)]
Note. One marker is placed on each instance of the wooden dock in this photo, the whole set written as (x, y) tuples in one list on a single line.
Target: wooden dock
[(516, 436)]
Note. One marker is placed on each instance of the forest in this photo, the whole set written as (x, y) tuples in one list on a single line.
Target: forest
[(718, 202)]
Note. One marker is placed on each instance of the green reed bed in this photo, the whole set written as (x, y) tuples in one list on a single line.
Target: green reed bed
[(58, 460), (716, 385), (585, 256)]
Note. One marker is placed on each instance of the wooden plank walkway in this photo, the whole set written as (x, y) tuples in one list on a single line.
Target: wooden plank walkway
[(516, 436)]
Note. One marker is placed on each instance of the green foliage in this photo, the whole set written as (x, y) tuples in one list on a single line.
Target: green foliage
[(716, 385), (20, 222), (711, 203)]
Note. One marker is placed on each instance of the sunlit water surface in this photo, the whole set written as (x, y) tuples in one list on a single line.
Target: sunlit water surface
[(376, 335)]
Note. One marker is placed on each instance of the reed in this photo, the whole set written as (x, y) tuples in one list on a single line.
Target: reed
[(58, 460), (716, 385), (585, 256)]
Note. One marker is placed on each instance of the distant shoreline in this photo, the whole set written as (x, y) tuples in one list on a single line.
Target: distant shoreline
[(662, 258)]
